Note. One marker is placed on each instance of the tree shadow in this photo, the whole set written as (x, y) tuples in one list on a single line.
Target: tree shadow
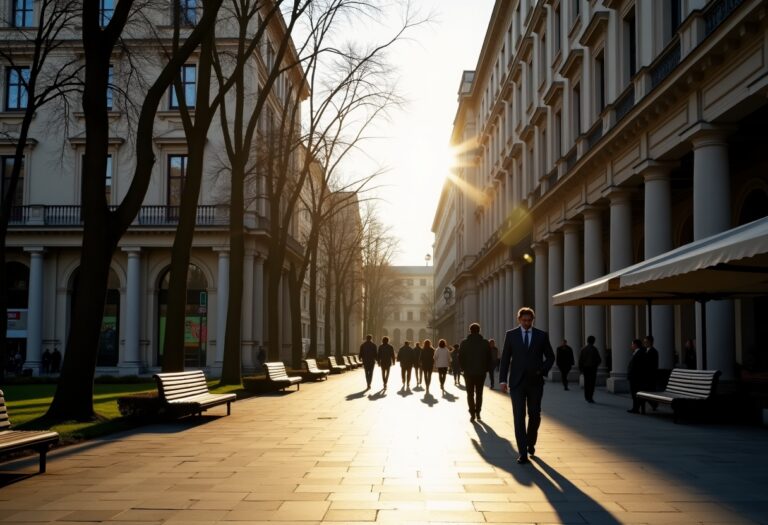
[(356, 395), (569, 502), (429, 400)]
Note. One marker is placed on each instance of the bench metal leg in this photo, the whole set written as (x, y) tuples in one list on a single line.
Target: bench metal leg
[(228, 408), (43, 452)]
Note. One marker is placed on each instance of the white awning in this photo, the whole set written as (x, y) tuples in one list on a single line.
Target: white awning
[(733, 263)]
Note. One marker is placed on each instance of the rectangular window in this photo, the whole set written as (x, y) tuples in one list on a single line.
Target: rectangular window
[(576, 112), (110, 80), (396, 316), (188, 12), (422, 316), (23, 11), (410, 316), (177, 173), (599, 83), (409, 282), (108, 180), (16, 88), (630, 45), (7, 167), (557, 146), (556, 30), (106, 10), (187, 76), (422, 282), (576, 9)]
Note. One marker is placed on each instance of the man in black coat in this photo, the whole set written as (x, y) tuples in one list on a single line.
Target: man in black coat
[(368, 357), (385, 358), (475, 359), (636, 375), (651, 368), (564, 361), (405, 358), (525, 361), (589, 360)]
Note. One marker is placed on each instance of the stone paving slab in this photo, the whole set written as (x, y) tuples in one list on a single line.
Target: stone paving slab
[(333, 453)]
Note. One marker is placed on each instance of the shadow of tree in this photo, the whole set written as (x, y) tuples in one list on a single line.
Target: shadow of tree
[(569, 502)]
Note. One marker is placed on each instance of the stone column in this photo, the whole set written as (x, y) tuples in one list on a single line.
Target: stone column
[(518, 296), (248, 350), (222, 299), (594, 316), (711, 215), (572, 275), (554, 286), (509, 294), (541, 285), (258, 299), (658, 240), (494, 302), (499, 312), (622, 317), (35, 310), (130, 362)]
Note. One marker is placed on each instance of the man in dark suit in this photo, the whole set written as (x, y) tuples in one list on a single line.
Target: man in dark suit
[(525, 360), (475, 359), (564, 361), (385, 358), (651, 368), (368, 357), (405, 358), (636, 372)]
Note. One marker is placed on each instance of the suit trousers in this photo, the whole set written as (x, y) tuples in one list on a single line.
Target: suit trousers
[(528, 395), (590, 379), (564, 375), (385, 374), (369, 372), (405, 373), (475, 384)]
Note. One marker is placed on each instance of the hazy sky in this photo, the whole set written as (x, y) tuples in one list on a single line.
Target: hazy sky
[(415, 139)]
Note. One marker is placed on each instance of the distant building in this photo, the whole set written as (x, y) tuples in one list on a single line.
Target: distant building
[(410, 319)]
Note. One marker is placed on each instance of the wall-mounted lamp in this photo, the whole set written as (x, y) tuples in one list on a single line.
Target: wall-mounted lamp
[(447, 294), (527, 257)]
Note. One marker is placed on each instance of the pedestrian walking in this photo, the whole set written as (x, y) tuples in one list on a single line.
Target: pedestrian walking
[(386, 358), (405, 358), (636, 375), (442, 362), (427, 362), (55, 360), (494, 361), (418, 372), (564, 361), (368, 357), (45, 361), (475, 356), (651, 368), (525, 361), (456, 365), (589, 360)]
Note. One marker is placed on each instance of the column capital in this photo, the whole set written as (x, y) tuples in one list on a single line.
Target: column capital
[(539, 246), (592, 211), (572, 225), (221, 250), (553, 236), (618, 194), (35, 250), (131, 250), (703, 134), (651, 169)]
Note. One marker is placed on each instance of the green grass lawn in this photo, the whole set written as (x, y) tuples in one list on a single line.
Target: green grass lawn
[(28, 403)]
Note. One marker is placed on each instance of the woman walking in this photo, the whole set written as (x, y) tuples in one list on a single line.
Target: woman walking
[(417, 363), (427, 361), (456, 365), (442, 362)]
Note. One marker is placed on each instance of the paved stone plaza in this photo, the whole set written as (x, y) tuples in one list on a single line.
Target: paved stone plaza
[(333, 453)]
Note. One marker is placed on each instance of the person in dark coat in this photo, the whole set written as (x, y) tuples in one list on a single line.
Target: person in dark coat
[(386, 358), (494, 361), (564, 360), (456, 365), (405, 358), (589, 360), (427, 361), (368, 357), (476, 359), (46, 361), (526, 359), (636, 375), (55, 360), (651, 368), (417, 363)]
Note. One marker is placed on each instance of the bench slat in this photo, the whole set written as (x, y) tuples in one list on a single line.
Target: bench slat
[(190, 387), (276, 373), (14, 440)]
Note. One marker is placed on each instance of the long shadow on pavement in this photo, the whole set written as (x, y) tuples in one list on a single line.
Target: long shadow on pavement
[(570, 503)]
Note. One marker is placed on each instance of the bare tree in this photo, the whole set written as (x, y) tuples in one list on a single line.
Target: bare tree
[(104, 227), (40, 78)]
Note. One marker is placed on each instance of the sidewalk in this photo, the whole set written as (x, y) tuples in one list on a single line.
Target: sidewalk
[(334, 453)]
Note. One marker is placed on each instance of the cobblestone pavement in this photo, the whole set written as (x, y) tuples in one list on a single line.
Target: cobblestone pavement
[(335, 453)]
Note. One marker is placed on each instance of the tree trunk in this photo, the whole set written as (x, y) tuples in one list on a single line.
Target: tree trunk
[(328, 318), (274, 275), (313, 298), (294, 293), (337, 318), (231, 373)]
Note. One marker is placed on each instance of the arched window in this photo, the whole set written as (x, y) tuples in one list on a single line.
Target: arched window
[(396, 337), (196, 317), (109, 337), (422, 334), (409, 334)]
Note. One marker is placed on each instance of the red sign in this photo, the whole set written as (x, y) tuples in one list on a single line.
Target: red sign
[(14, 316)]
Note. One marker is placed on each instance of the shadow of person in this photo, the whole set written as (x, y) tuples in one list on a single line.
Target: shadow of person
[(461, 387), (429, 399), (356, 395), (569, 502), (404, 392), (449, 397), (378, 395), (418, 389)]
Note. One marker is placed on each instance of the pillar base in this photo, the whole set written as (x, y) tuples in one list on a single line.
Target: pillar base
[(129, 369), (617, 385)]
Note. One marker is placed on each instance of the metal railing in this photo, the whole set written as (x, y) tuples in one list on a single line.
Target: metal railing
[(718, 12), (666, 63), (70, 215), (625, 102)]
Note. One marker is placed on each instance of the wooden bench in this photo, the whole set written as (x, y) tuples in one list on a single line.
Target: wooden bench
[(685, 388), (356, 360), (179, 389), (15, 440), (276, 373), (351, 362), (313, 371), (336, 368)]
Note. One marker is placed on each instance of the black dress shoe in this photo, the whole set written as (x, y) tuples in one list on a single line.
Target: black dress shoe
[(478, 416), (531, 450), (522, 460), (471, 419)]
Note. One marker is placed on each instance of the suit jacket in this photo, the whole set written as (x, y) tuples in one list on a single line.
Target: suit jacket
[(636, 369), (515, 356), (405, 356), (475, 355), (368, 353), (564, 357), (386, 355)]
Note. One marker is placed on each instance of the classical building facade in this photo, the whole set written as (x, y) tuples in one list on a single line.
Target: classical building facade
[(411, 317), (596, 134), (45, 231)]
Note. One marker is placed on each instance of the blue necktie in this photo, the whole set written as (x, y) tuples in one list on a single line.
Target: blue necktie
[(527, 345)]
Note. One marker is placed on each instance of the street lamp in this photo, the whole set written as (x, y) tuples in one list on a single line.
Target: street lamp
[(447, 294), (427, 258)]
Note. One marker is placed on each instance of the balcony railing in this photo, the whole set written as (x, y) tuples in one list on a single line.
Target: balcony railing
[(625, 102), (718, 12), (595, 134), (666, 63), (69, 215)]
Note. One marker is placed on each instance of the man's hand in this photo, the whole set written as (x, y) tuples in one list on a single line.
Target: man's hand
[(503, 387)]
